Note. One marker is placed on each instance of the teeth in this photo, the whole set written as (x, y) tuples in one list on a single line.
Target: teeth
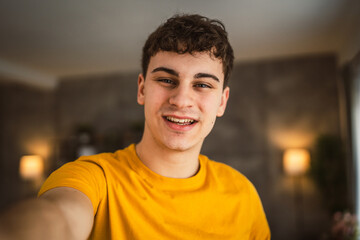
[(180, 121)]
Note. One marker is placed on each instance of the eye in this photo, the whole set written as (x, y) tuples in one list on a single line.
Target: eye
[(202, 85), (166, 80)]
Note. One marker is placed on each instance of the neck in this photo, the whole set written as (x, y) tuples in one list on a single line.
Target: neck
[(168, 162)]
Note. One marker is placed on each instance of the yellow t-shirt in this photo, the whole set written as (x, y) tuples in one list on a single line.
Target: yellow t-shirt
[(132, 202)]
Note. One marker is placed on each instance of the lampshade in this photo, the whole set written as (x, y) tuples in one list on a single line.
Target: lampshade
[(296, 161), (31, 167)]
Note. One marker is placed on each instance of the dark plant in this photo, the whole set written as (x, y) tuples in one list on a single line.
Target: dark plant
[(328, 169)]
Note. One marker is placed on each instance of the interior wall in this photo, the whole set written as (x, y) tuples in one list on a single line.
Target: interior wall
[(273, 105), (105, 106), (26, 128)]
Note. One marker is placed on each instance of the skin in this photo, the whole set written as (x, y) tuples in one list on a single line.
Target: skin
[(179, 87), (60, 213)]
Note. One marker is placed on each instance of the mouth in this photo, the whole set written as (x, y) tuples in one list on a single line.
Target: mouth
[(180, 121)]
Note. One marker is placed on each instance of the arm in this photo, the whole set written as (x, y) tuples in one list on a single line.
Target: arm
[(60, 213)]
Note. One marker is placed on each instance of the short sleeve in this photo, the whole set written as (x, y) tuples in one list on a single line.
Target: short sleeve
[(84, 175), (260, 228)]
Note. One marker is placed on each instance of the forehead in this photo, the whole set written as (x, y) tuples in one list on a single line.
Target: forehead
[(187, 64)]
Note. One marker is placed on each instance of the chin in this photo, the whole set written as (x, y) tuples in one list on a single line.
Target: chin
[(179, 146), (181, 143)]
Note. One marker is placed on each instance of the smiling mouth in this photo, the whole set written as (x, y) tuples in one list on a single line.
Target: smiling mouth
[(180, 121)]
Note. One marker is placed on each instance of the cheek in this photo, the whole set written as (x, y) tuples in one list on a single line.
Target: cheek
[(211, 103), (154, 101), (213, 108), (210, 107)]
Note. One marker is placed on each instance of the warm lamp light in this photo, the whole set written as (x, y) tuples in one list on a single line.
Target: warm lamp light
[(31, 167), (296, 161)]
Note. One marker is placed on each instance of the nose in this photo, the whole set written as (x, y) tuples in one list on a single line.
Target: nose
[(182, 97)]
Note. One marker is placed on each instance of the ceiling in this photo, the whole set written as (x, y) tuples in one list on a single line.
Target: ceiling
[(43, 40)]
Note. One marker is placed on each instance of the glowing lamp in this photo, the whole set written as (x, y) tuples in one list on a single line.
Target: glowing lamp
[(296, 161), (31, 167)]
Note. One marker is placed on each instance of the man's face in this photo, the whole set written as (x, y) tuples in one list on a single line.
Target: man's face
[(182, 96)]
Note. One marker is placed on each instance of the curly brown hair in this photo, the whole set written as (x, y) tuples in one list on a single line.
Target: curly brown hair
[(190, 34)]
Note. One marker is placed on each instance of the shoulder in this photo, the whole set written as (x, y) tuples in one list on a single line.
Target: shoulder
[(89, 174), (107, 158), (97, 159), (228, 175), (91, 168)]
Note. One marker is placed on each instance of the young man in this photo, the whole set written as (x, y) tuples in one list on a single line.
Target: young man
[(162, 188)]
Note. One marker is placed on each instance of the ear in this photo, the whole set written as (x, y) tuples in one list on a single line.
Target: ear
[(224, 99), (141, 90)]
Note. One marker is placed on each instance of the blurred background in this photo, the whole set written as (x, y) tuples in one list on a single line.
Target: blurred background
[(68, 80)]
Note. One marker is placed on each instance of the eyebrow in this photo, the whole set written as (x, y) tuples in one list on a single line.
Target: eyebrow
[(206, 75), (167, 70), (175, 73)]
